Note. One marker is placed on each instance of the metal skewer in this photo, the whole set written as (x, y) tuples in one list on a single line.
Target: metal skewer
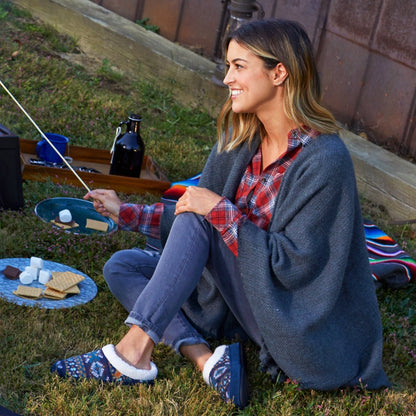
[(44, 137)]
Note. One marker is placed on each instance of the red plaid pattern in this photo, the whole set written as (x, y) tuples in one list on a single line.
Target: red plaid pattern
[(256, 195), (142, 218), (254, 200)]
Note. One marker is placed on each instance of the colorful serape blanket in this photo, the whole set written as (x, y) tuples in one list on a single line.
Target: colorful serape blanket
[(390, 265), (177, 189)]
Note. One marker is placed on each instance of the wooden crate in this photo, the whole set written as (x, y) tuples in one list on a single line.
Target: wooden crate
[(151, 177)]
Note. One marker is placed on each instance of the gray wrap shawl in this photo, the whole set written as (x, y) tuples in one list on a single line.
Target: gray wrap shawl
[(307, 278)]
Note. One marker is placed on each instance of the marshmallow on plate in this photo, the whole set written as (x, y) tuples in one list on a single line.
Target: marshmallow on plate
[(36, 262), (33, 271), (44, 276), (25, 278), (65, 216)]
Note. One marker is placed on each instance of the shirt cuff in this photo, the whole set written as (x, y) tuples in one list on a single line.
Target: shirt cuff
[(226, 218), (223, 215), (129, 215)]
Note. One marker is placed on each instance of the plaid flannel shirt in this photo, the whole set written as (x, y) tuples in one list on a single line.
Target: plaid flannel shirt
[(254, 200), (256, 195), (142, 218)]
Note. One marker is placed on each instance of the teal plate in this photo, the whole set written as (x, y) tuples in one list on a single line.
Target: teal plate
[(81, 210)]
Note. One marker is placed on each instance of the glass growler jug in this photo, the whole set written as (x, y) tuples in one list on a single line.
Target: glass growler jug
[(128, 149)]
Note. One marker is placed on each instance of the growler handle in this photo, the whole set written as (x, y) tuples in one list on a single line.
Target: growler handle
[(127, 123), (118, 132)]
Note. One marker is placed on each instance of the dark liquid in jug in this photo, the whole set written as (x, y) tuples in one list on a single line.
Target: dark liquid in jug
[(128, 153)]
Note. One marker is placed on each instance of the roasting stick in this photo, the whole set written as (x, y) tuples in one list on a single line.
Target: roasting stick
[(44, 136)]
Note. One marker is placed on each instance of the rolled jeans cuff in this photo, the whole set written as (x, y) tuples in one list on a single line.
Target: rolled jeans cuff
[(188, 341), (146, 326), (192, 339)]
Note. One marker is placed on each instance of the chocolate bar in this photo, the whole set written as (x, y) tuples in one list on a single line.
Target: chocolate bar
[(11, 272)]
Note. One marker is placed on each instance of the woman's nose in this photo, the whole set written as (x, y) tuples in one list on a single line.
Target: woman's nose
[(227, 78)]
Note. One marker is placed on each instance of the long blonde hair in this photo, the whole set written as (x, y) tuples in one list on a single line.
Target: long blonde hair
[(277, 41)]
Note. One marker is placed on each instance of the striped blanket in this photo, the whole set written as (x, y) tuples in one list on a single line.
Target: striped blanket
[(390, 265), (176, 190)]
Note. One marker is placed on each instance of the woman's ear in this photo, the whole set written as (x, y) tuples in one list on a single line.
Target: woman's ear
[(279, 74)]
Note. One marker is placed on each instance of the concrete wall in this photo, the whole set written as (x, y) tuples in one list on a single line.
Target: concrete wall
[(366, 52)]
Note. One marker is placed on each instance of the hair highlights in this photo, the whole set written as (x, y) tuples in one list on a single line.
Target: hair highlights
[(277, 41)]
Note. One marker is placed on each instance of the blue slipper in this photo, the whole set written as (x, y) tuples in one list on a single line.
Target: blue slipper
[(225, 372), (104, 365)]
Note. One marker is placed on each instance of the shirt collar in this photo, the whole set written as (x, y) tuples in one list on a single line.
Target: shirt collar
[(302, 137)]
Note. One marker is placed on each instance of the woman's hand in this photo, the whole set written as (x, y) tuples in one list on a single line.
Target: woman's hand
[(106, 202), (198, 200)]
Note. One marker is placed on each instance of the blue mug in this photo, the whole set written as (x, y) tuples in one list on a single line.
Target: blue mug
[(45, 151)]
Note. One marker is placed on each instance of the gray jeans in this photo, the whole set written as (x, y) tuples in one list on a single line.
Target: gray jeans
[(154, 287)]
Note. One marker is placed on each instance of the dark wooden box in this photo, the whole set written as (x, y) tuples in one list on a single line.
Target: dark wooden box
[(151, 178)]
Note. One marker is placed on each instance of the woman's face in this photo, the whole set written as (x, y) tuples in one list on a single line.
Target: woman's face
[(252, 86)]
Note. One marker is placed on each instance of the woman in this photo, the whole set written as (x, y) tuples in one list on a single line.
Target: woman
[(275, 230)]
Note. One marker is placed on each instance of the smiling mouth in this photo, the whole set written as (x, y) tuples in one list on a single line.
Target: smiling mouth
[(236, 93)]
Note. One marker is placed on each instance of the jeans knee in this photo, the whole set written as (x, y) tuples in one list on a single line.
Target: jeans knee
[(115, 265), (130, 262)]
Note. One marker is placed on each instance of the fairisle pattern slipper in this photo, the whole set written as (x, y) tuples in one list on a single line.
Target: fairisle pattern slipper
[(225, 372), (103, 365)]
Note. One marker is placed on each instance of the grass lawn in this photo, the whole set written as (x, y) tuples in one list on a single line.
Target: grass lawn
[(86, 105)]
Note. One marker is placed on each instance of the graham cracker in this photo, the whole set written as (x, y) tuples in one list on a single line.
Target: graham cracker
[(50, 293), (28, 292), (53, 294), (59, 224), (62, 281), (96, 225), (74, 290)]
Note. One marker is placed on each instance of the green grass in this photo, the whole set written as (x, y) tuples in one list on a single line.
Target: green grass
[(148, 26), (87, 105)]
